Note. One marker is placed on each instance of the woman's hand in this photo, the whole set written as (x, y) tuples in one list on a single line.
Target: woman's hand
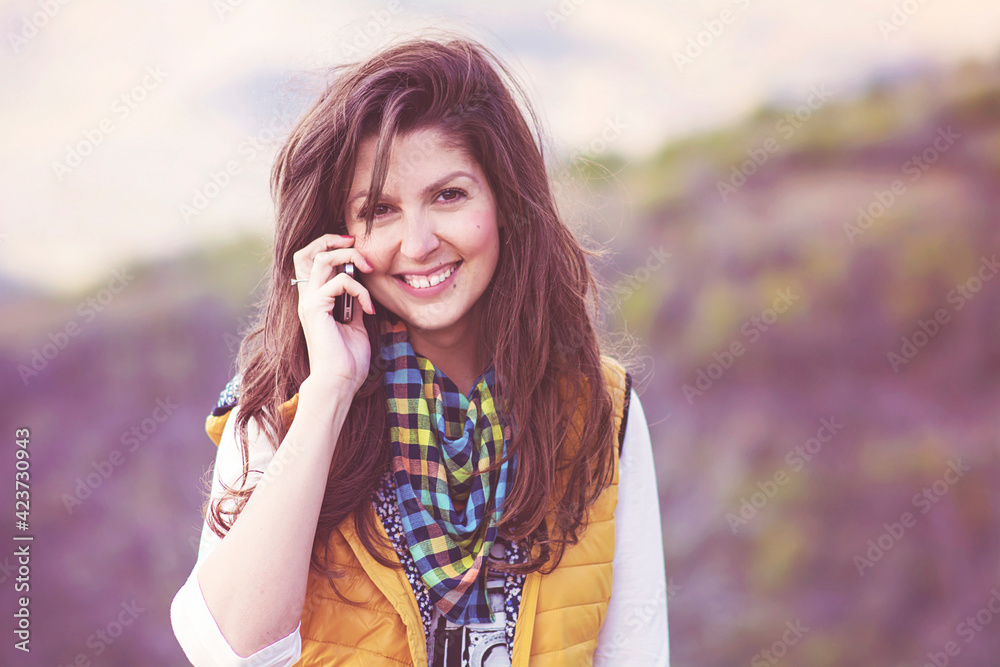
[(338, 352), (262, 544)]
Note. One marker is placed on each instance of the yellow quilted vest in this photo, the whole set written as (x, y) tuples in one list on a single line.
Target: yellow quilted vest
[(559, 619)]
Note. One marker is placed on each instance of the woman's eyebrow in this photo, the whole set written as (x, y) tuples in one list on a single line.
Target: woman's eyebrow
[(441, 181), (430, 188)]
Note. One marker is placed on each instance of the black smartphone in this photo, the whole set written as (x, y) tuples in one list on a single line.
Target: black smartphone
[(343, 305)]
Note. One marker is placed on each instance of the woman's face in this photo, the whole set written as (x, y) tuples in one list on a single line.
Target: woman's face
[(435, 241)]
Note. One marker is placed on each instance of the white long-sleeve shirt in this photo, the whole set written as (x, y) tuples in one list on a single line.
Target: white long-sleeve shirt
[(634, 631)]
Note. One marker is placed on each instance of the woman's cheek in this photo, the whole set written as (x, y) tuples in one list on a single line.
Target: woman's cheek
[(375, 256)]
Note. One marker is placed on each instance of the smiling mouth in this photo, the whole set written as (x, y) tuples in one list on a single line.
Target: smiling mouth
[(423, 282)]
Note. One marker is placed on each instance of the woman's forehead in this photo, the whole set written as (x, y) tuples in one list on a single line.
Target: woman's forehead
[(420, 155)]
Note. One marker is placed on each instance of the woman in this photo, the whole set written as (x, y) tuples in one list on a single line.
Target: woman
[(446, 488)]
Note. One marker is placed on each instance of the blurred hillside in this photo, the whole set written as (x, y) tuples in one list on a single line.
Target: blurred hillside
[(875, 225), (812, 373), (118, 446)]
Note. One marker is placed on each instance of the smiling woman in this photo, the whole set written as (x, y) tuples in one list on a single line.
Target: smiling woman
[(433, 247), (456, 476)]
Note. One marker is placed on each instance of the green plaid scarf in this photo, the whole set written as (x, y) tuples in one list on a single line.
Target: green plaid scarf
[(440, 438)]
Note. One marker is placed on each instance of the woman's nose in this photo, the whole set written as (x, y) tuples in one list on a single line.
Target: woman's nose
[(419, 237)]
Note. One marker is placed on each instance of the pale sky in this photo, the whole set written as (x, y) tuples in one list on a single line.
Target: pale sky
[(163, 94)]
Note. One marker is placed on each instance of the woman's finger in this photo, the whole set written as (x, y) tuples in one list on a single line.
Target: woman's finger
[(343, 283), (324, 266), (304, 258), (322, 243), (340, 256)]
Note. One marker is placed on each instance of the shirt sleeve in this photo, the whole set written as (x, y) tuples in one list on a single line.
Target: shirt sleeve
[(635, 629), (192, 621)]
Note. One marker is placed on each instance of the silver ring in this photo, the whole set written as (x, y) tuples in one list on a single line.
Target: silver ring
[(299, 280)]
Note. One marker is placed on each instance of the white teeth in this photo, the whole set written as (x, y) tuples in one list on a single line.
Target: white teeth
[(423, 282)]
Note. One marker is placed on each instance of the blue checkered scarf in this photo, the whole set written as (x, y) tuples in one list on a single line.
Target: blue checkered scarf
[(440, 439)]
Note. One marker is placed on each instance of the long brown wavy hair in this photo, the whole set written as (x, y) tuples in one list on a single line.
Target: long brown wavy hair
[(539, 312)]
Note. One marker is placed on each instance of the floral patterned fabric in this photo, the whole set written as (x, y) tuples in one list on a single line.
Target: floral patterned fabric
[(387, 510)]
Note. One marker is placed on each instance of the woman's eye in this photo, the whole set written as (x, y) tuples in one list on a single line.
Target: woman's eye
[(452, 194), (381, 210)]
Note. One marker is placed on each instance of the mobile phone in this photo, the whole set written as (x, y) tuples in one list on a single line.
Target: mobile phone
[(343, 305)]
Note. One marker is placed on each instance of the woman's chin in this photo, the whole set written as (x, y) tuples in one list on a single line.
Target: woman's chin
[(423, 322)]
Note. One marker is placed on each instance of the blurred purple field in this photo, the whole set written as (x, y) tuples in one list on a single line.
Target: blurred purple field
[(814, 300)]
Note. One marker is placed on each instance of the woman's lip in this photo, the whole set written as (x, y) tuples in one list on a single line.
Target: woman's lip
[(430, 291), (428, 274)]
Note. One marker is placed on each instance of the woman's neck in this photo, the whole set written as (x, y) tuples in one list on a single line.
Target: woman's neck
[(457, 351)]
